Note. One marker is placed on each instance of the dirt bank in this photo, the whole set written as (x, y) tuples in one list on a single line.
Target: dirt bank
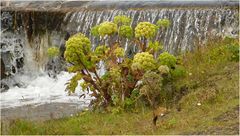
[(40, 112)]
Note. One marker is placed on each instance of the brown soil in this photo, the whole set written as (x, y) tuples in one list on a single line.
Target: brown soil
[(41, 112)]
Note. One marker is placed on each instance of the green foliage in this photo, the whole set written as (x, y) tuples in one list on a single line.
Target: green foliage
[(129, 103), (53, 51), (115, 74), (167, 59), (163, 23), (84, 85), (94, 30), (178, 72), (107, 28), (234, 51), (146, 30), (126, 31), (73, 83), (122, 20), (143, 61), (229, 40), (163, 69), (228, 51), (116, 110), (116, 100), (101, 52), (155, 46), (77, 51), (152, 87), (119, 52), (215, 53)]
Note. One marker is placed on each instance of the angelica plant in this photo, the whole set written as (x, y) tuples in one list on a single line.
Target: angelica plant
[(163, 23), (143, 61), (122, 20), (145, 30), (53, 51), (107, 28), (116, 85), (126, 31), (167, 59)]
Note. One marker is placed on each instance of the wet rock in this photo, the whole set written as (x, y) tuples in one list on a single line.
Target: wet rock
[(55, 66), (20, 63), (6, 21), (2, 69), (4, 87), (19, 85), (62, 46)]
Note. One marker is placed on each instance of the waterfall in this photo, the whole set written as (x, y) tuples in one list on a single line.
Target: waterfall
[(189, 28)]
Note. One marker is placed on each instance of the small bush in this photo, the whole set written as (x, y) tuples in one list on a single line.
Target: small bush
[(107, 28), (125, 31), (94, 30), (78, 49), (152, 87), (178, 72), (234, 50), (167, 59), (163, 23), (122, 20), (163, 69), (53, 52), (146, 30), (143, 61)]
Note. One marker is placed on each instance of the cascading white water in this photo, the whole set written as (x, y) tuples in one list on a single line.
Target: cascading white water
[(42, 89), (189, 28)]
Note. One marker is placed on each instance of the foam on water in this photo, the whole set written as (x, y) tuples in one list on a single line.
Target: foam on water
[(41, 90)]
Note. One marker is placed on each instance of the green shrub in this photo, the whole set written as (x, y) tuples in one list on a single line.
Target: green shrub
[(152, 87), (53, 52), (155, 46), (178, 72), (107, 28), (101, 52), (125, 31), (167, 59), (119, 52), (234, 52), (78, 48), (94, 30), (163, 23), (163, 69), (122, 20), (143, 61), (146, 30)]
